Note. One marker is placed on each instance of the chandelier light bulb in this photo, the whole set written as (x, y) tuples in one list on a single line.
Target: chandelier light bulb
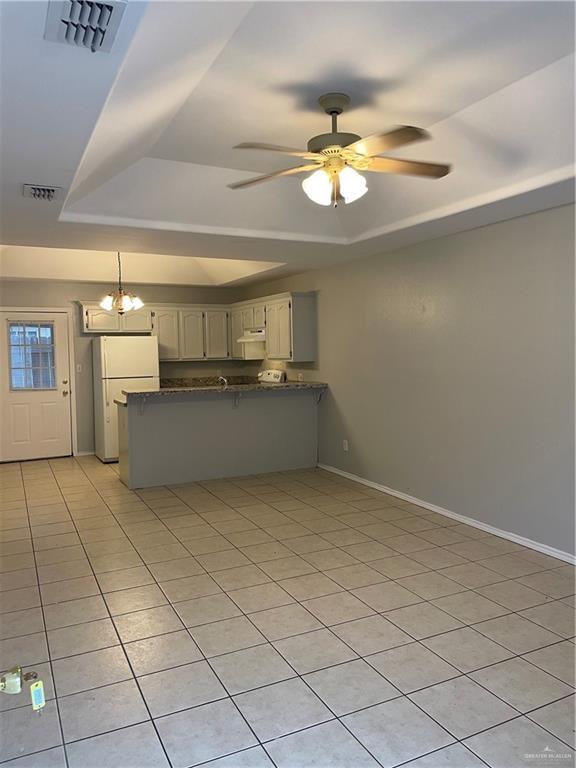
[(318, 187), (352, 184)]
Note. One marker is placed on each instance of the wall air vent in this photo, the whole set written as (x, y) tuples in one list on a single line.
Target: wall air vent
[(39, 192), (84, 23)]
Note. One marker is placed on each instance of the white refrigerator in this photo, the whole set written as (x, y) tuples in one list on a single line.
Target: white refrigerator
[(119, 363)]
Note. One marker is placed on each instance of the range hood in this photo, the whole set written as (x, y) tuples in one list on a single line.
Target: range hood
[(257, 336)]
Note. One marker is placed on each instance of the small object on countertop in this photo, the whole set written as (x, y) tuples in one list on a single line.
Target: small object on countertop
[(271, 376)]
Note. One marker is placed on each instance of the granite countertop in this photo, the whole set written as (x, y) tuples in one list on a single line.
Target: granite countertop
[(251, 386)]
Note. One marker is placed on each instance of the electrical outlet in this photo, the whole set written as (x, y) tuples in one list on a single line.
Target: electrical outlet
[(300, 377), (345, 446), (79, 368)]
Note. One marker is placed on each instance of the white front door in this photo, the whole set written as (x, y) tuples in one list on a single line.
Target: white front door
[(35, 418)]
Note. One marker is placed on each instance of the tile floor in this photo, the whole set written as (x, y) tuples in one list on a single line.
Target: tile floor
[(292, 620)]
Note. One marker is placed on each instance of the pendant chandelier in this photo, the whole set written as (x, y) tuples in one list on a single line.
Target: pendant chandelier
[(120, 300)]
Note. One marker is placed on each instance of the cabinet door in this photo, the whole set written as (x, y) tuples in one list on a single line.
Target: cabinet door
[(100, 320), (247, 318), (191, 334), (278, 330), (259, 316), (165, 327), (236, 329), (216, 323), (139, 320)]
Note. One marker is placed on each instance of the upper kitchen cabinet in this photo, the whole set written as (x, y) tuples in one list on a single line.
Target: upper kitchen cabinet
[(165, 325), (290, 323), (216, 333), (98, 320), (236, 330), (291, 327), (136, 321), (191, 334)]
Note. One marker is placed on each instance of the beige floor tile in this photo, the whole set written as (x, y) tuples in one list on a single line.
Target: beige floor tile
[(204, 610), (28, 732), (142, 624), (251, 668), (226, 636), (463, 707), (558, 718), (499, 746), (314, 650), (135, 599), (411, 667), (423, 620), (470, 607), (283, 708), (559, 660), (137, 746), (471, 575), (310, 586), (550, 583), (555, 616), (396, 731), (204, 733), (512, 595), (353, 576), (370, 635), (467, 649), (431, 585), (285, 621), (261, 597), (351, 686), (517, 633), (335, 609), (155, 654), (386, 596), (398, 567), (287, 567), (101, 709), (328, 744), (518, 683), (189, 588), (179, 688), (456, 756)]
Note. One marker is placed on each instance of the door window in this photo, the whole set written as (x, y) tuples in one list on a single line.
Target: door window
[(31, 356)]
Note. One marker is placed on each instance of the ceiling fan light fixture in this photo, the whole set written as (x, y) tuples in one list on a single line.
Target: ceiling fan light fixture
[(353, 185), (119, 300), (318, 187)]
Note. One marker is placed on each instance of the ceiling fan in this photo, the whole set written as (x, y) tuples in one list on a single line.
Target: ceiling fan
[(335, 158)]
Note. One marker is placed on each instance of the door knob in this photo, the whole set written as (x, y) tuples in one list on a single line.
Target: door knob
[(64, 392), (64, 381)]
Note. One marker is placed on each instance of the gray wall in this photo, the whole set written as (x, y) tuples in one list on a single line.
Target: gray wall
[(450, 365), (26, 293)]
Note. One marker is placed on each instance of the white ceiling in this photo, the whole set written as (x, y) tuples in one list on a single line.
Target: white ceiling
[(142, 138)]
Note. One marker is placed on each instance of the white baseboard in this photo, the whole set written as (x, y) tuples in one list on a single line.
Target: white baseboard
[(552, 551)]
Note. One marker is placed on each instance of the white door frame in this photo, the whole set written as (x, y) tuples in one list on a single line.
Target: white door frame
[(69, 312)]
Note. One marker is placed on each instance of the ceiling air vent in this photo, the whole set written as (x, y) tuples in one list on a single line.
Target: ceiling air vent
[(38, 192), (84, 23)]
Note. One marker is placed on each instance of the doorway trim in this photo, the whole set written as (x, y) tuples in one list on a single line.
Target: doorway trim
[(69, 312)]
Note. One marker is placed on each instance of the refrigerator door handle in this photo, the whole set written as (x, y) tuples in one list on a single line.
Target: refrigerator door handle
[(107, 399)]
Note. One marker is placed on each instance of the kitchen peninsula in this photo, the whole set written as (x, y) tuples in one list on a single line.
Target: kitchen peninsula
[(182, 434)]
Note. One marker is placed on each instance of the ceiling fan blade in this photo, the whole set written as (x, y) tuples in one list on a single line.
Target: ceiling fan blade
[(275, 148), (383, 142), (268, 176), (412, 167)]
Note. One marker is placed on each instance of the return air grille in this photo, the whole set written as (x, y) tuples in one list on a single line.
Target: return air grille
[(38, 192), (84, 23)]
